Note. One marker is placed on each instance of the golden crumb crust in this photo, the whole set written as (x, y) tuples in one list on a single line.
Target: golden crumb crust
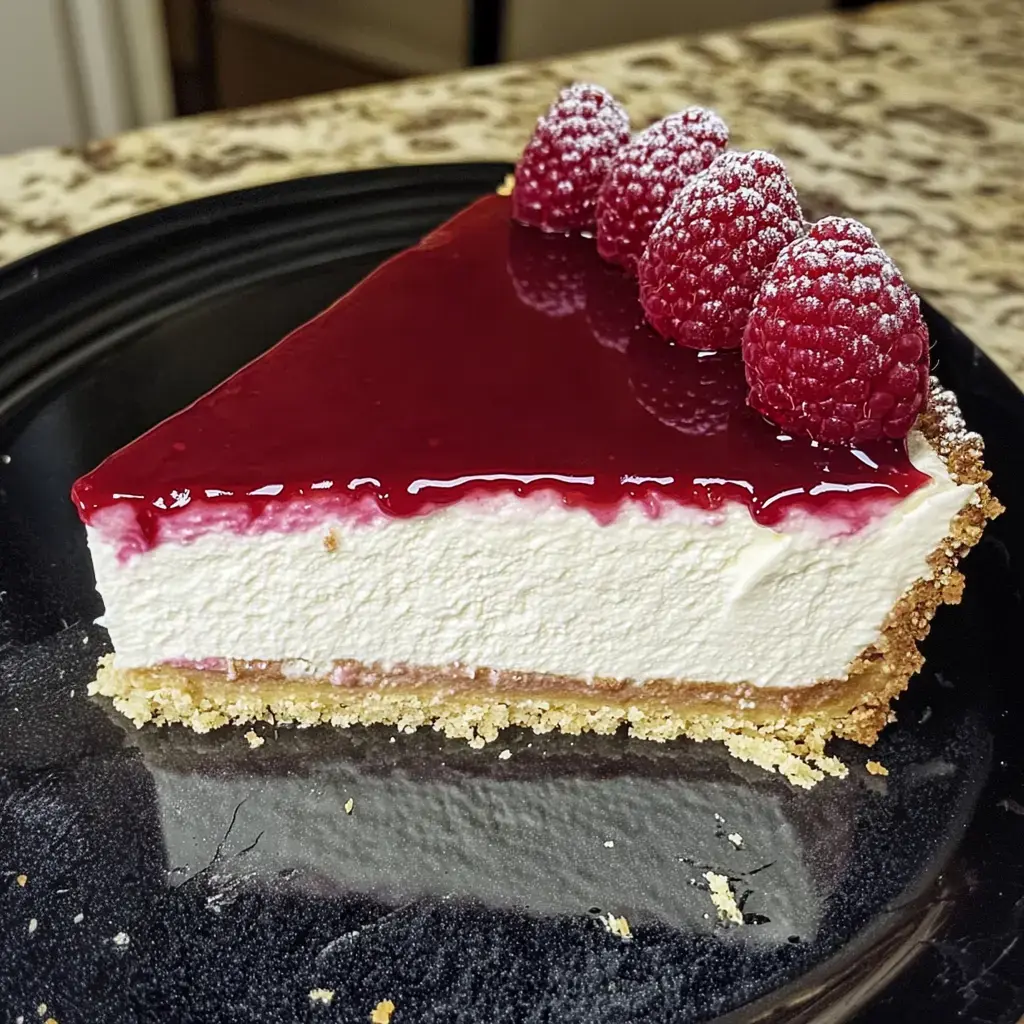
[(781, 729)]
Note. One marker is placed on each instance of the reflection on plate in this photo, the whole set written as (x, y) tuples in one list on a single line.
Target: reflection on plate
[(557, 827)]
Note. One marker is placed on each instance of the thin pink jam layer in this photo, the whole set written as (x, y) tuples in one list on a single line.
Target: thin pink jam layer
[(488, 359)]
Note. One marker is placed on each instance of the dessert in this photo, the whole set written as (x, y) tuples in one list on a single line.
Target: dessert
[(480, 490)]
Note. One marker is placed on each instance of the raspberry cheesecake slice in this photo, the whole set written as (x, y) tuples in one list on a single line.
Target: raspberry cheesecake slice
[(481, 491)]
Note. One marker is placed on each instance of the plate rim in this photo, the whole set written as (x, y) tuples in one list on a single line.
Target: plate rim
[(22, 281)]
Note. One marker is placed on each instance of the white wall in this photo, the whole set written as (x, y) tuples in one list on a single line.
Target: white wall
[(38, 92), (72, 70)]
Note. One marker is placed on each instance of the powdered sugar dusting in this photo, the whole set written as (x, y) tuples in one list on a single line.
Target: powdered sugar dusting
[(836, 347), (953, 432), (647, 173), (562, 167), (714, 245)]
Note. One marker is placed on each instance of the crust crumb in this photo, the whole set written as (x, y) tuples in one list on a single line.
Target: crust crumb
[(723, 897), (507, 185), (617, 926), (254, 739), (321, 995), (381, 1013), (331, 542), (876, 768)]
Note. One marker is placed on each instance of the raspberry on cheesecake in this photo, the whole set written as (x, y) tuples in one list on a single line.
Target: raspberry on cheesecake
[(495, 495), (836, 347), (562, 168), (713, 247), (646, 174)]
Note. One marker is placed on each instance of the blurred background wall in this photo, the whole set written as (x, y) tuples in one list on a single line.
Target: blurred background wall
[(71, 70)]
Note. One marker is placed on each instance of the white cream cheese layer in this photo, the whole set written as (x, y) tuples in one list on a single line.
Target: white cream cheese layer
[(531, 585)]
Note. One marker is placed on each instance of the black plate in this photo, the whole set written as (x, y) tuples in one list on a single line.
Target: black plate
[(463, 887)]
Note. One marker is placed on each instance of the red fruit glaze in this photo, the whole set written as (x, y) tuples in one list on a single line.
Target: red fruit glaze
[(713, 246), (461, 388), (645, 176), (836, 347), (546, 271), (567, 158)]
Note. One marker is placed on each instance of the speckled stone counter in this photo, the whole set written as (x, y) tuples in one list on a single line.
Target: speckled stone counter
[(908, 117)]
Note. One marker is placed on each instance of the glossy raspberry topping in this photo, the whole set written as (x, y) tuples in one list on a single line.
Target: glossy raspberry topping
[(836, 347), (547, 271), (713, 246), (696, 393), (567, 158), (471, 386), (645, 176)]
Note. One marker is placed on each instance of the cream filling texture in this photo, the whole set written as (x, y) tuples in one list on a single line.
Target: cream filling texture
[(531, 585)]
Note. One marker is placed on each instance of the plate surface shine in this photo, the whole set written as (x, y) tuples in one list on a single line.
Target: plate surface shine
[(462, 886)]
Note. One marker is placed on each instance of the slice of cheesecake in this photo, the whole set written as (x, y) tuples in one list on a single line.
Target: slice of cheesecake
[(478, 491)]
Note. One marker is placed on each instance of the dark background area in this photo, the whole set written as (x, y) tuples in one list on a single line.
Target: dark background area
[(226, 57)]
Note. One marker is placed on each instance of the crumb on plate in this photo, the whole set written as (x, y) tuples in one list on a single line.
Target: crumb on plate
[(349, 804), (121, 939), (321, 995), (617, 926), (723, 897), (254, 739), (876, 768), (736, 839), (381, 1013), (22, 880)]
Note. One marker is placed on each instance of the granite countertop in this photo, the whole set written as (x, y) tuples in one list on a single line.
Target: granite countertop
[(908, 116)]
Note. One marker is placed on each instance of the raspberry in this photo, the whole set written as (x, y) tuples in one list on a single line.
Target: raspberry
[(547, 270), (647, 173), (564, 163), (692, 392), (713, 246), (836, 347)]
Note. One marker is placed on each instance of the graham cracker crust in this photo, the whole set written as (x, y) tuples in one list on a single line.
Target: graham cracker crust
[(779, 729)]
